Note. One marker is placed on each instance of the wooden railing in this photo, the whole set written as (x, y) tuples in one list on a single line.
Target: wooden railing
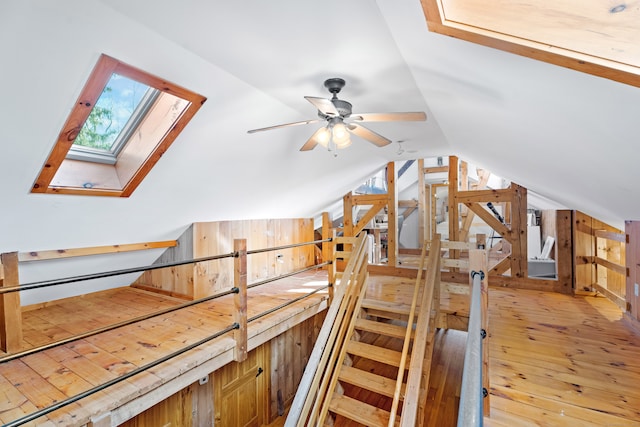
[(238, 328), (305, 409), (422, 352), (600, 258), (10, 306)]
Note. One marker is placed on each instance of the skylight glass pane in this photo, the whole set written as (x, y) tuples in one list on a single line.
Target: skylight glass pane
[(111, 113)]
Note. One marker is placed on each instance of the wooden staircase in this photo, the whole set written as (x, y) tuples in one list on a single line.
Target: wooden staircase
[(363, 381)]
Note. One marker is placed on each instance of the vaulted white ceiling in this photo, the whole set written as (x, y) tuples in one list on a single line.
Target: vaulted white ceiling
[(568, 136)]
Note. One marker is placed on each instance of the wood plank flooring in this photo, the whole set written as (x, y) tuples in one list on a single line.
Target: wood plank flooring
[(558, 360), (41, 379)]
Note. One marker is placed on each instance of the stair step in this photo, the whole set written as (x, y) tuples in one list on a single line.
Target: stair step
[(377, 354), (359, 411), (390, 307), (382, 328), (368, 381)]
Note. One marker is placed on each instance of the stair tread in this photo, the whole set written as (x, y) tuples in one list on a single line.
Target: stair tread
[(377, 354), (368, 381), (382, 328), (391, 307), (360, 412)]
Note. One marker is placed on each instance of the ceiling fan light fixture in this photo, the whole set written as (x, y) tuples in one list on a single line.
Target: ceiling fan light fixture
[(340, 133), (324, 136)]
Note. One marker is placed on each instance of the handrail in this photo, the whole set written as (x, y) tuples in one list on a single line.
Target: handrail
[(407, 338), (470, 413), (418, 379), (327, 337)]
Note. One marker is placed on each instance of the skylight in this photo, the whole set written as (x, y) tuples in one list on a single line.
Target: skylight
[(123, 122), (122, 105)]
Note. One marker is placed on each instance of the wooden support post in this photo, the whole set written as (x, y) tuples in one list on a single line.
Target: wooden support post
[(392, 219), (478, 262), (423, 224), (347, 218), (519, 268), (328, 250), (240, 299), (454, 213), (10, 312)]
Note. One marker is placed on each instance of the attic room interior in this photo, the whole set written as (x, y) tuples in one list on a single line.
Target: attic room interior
[(416, 213)]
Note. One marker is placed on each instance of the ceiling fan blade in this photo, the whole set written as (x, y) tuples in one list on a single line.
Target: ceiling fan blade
[(416, 116), (304, 122), (313, 141), (369, 135), (325, 106)]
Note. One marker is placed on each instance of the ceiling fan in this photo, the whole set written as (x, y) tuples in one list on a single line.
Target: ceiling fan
[(340, 121)]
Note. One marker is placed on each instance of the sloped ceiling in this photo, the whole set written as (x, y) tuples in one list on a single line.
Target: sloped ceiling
[(568, 136)]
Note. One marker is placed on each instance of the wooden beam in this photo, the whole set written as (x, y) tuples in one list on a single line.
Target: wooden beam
[(369, 199), (392, 211), (407, 203), (519, 266), (347, 218), (454, 212), (611, 266), (436, 169), (10, 313), (501, 266), (368, 216), (611, 235), (94, 250), (493, 196), (240, 299), (422, 204), (491, 221)]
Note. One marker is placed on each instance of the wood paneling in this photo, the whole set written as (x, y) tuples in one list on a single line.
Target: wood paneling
[(205, 239), (599, 253), (290, 352)]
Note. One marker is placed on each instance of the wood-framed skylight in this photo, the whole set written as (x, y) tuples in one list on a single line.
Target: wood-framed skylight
[(122, 123), (594, 37)]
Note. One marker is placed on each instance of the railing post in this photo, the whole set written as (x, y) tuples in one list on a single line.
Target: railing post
[(328, 250), (10, 312), (478, 261), (240, 299)]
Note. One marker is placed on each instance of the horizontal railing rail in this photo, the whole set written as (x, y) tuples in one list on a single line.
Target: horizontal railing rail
[(470, 413)]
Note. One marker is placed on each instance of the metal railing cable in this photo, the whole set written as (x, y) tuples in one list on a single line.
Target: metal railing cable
[(292, 245), (286, 304), (114, 326), (73, 279), (93, 390), (151, 315), (470, 411), (285, 275), (163, 359)]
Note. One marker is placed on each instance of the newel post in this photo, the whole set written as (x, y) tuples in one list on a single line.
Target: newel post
[(10, 312), (240, 299)]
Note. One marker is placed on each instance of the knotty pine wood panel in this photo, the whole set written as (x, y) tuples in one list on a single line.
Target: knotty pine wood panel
[(583, 251), (213, 238), (290, 353), (204, 239), (178, 280)]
